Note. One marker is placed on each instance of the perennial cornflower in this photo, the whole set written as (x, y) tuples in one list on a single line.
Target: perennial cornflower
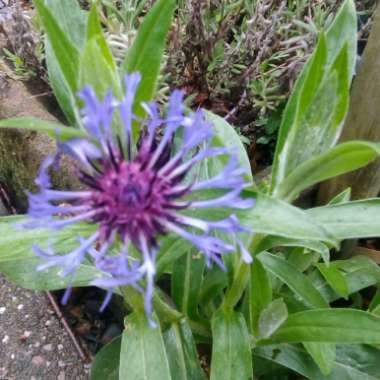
[(137, 191)]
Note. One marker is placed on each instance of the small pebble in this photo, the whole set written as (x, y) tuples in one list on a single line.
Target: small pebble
[(20, 307), (48, 322), (48, 347), (60, 347), (2, 310), (48, 364), (61, 376), (61, 364), (5, 339), (39, 361), (13, 356), (37, 344)]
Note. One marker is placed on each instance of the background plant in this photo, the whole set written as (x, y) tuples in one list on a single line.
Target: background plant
[(293, 308)]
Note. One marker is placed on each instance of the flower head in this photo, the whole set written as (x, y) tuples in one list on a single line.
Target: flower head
[(137, 191)]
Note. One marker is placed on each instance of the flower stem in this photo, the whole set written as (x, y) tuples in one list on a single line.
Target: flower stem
[(241, 278), (164, 311)]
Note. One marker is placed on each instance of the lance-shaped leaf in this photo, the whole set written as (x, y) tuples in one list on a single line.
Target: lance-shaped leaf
[(350, 220), (145, 54), (231, 351), (316, 109), (143, 355), (341, 159), (330, 326)]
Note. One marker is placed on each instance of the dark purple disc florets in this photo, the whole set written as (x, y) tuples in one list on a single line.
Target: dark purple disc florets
[(132, 198), (135, 193)]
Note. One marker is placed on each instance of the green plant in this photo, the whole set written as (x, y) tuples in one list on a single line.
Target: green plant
[(20, 69), (279, 312)]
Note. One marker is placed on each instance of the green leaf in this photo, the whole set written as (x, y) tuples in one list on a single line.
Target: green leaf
[(350, 220), (95, 31), (359, 272), (310, 78), (225, 135), (231, 351), (171, 248), (24, 273), (272, 317), (18, 262), (260, 293), (315, 111), (65, 52), (64, 95), (53, 129), (182, 353), (341, 32), (186, 283), (143, 355), (334, 278), (16, 241), (375, 301), (352, 362), (71, 19), (277, 241), (323, 354), (96, 71), (145, 54), (268, 216), (335, 161), (294, 279), (106, 363), (330, 326), (215, 280), (343, 197), (271, 216), (302, 259)]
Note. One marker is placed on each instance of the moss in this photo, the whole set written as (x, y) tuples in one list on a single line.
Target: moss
[(21, 153)]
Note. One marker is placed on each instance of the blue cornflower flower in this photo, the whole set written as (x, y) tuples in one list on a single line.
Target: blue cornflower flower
[(136, 192)]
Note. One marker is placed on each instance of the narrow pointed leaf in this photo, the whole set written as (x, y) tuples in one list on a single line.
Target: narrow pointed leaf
[(53, 129), (352, 362), (231, 351), (145, 54), (186, 281), (341, 159), (182, 353), (296, 281), (95, 31), (65, 52), (106, 363), (330, 326), (143, 355), (272, 317), (260, 293), (323, 355), (350, 220), (96, 71)]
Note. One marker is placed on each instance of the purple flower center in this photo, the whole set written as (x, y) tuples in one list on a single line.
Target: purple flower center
[(130, 197)]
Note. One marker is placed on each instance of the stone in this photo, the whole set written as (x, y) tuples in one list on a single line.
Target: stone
[(47, 347)]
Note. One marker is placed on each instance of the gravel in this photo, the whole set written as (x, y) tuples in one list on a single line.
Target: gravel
[(33, 343)]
